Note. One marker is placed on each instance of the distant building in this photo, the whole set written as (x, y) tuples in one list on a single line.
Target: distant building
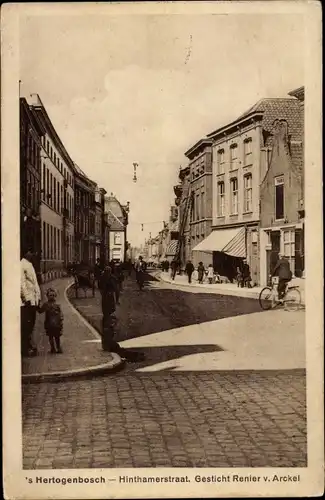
[(200, 164), (282, 209), (57, 198), (185, 207), (31, 133), (101, 226), (172, 235), (85, 249), (117, 216)]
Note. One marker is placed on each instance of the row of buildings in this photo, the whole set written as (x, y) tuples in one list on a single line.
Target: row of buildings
[(65, 216), (241, 194)]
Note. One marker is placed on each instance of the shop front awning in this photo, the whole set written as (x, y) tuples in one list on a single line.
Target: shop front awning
[(230, 241), (172, 248)]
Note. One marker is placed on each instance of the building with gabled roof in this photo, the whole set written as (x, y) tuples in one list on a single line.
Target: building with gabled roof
[(117, 218), (282, 209)]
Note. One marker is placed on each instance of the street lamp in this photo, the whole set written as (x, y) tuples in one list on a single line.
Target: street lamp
[(135, 165)]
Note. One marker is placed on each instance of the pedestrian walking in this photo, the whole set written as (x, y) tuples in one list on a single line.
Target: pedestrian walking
[(210, 274), (98, 269), (239, 278), (201, 271), (53, 322), (140, 268), (189, 269), (246, 273), (119, 274), (173, 266), (30, 295)]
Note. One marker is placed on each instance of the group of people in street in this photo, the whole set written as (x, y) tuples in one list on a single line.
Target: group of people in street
[(243, 277)]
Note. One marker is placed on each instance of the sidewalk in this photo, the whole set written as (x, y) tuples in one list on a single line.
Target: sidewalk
[(80, 355), (224, 288)]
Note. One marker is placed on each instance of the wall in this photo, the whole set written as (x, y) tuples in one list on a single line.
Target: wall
[(242, 166), (116, 250), (56, 194), (281, 166)]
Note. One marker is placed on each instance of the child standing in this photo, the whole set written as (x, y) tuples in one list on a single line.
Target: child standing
[(53, 323)]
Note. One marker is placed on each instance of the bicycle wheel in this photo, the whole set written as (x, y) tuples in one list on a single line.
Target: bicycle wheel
[(292, 299), (266, 298)]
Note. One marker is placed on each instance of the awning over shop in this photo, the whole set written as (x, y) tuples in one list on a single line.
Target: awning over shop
[(230, 241), (172, 248)]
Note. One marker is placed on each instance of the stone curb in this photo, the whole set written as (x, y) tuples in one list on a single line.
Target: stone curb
[(112, 366), (81, 373), (250, 295)]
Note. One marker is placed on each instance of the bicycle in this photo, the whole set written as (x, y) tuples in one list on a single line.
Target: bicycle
[(268, 298)]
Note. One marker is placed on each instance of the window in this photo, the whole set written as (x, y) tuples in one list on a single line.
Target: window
[(221, 161), (197, 206), (202, 205), (288, 239), (58, 198), (47, 146), (44, 241), (51, 154), (279, 197), (47, 187), (54, 243), (221, 199), (54, 193), (248, 151), (247, 193), (51, 190), (233, 155), (61, 198), (51, 243), (234, 196), (55, 158), (48, 242), (43, 181)]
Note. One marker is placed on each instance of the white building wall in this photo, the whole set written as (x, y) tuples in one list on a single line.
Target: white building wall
[(237, 169), (54, 170), (116, 245)]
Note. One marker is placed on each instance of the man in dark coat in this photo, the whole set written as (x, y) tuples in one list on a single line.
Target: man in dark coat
[(283, 271), (189, 269), (173, 267), (108, 288), (246, 275)]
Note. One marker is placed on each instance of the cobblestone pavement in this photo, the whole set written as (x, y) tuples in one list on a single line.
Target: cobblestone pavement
[(215, 419), (251, 418)]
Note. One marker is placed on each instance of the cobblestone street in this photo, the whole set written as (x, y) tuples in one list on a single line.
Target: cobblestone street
[(181, 420), (193, 415)]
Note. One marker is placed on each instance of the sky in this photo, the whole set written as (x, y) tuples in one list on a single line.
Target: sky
[(144, 88)]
